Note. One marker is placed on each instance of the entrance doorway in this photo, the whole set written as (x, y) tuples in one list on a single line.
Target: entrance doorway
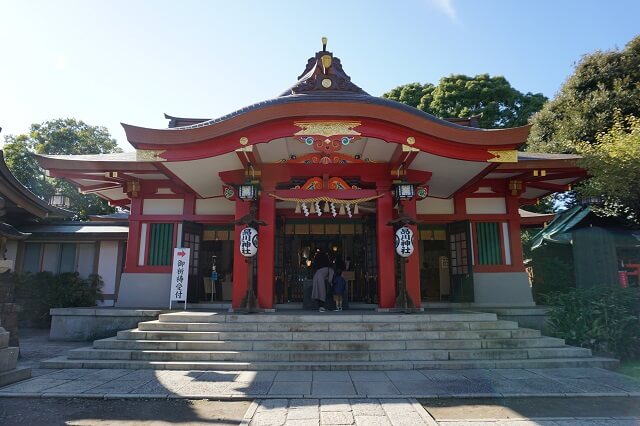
[(216, 247), (349, 245), (435, 282)]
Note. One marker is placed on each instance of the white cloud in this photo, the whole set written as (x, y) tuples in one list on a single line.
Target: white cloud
[(61, 62), (446, 7)]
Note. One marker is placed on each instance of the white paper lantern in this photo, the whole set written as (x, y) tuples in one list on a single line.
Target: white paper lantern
[(248, 242), (404, 241)]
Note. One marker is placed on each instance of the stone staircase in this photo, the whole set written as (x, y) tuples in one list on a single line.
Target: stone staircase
[(328, 341)]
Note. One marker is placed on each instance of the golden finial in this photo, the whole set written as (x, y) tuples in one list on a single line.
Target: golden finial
[(324, 44)]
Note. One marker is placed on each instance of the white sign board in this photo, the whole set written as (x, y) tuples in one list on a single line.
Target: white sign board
[(248, 242), (180, 275), (404, 241)]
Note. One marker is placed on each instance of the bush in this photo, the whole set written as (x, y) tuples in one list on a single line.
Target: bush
[(552, 271), (604, 319), (37, 293)]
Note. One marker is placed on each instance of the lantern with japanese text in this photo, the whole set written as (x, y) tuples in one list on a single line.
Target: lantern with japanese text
[(248, 242), (404, 241)]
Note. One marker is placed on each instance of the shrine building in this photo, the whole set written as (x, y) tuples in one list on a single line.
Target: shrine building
[(325, 166)]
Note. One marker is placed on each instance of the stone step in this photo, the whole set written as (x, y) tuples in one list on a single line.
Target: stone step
[(259, 345), (137, 334), (328, 356), (326, 317), (64, 362), (338, 326)]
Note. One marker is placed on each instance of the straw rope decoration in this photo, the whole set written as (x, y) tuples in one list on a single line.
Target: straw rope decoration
[(329, 204)]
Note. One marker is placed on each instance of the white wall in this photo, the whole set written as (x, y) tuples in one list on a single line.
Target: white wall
[(493, 205), (432, 205), (108, 267), (215, 206), (162, 206), (86, 257)]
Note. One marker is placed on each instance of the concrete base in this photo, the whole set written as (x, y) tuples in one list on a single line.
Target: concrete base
[(8, 358), (144, 291), (535, 318), (510, 289), (13, 376), (87, 324)]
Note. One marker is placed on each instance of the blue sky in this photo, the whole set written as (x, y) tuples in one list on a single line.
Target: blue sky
[(130, 61)]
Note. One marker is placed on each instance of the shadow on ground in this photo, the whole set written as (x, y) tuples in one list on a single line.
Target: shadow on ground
[(451, 409), (78, 411)]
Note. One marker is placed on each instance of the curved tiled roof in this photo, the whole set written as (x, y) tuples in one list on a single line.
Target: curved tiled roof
[(333, 96)]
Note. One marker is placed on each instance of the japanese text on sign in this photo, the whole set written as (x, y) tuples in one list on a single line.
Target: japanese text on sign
[(180, 274), (404, 241), (248, 242)]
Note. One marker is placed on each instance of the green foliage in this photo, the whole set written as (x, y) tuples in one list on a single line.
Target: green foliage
[(56, 137), (492, 98), (586, 105), (614, 163), (552, 270), (600, 318), (37, 293)]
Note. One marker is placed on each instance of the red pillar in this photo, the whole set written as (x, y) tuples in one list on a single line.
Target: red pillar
[(386, 250), (240, 268), (133, 240), (266, 251), (412, 267), (515, 237)]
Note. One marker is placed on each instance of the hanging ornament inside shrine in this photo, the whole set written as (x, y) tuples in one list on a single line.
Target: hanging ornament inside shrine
[(404, 241), (248, 242)]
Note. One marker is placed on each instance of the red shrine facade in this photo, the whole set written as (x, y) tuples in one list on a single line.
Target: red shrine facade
[(328, 161)]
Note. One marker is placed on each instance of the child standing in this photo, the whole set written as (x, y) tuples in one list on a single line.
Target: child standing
[(339, 286)]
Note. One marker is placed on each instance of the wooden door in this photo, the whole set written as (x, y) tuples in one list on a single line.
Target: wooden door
[(460, 261), (192, 238)]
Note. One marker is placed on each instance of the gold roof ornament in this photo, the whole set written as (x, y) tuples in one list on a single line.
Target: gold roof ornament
[(506, 156), (324, 44), (326, 128)]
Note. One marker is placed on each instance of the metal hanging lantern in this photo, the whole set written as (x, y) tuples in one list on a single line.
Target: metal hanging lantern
[(404, 191), (60, 200), (247, 192), (404, 241), (249, 242)]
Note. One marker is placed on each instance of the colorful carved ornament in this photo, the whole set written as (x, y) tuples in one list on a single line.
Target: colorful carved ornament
[(335, 183), (229, 192), (422, 192)]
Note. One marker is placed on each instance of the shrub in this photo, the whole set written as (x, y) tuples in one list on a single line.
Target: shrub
[(552, 271), (37, 293), (605, 319)]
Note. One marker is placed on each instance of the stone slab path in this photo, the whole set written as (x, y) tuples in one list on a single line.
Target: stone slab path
[(117, 383), (365, 412)]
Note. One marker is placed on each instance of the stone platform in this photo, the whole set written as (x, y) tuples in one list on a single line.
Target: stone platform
[(328, 341)]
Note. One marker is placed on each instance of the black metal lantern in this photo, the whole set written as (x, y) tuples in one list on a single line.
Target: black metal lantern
[(248, 192), (404, 191)]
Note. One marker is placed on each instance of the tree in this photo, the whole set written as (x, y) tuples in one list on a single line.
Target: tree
[(602, 83), (614, 162), (497, 103), (56, 137)]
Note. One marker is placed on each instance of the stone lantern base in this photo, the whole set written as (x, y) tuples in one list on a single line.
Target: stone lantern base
[(9, 360)]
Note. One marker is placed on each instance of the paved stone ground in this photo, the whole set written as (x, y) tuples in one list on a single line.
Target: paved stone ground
[(342, 397), (35, 347), (326, 384), (365, 412), (127, 412), (534, 411)]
